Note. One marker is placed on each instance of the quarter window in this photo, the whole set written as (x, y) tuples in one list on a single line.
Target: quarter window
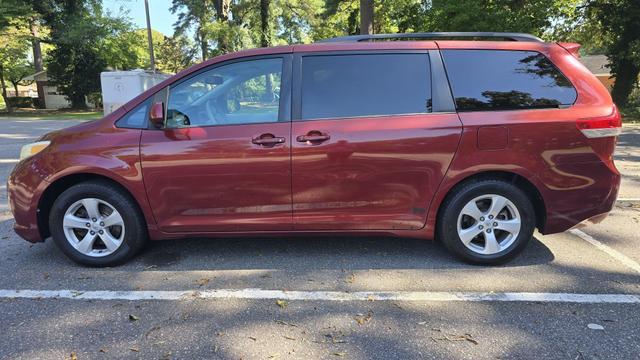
[(245, 92), (335, 86), (505, 80), (136, 118)]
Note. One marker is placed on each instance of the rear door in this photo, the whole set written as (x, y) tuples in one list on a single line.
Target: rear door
[(373, 134), (222, 162)]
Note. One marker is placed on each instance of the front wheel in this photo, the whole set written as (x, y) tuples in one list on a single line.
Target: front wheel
[(486, 222), (97, 224)]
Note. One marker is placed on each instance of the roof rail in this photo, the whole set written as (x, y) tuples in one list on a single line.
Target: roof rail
[(437, 35)]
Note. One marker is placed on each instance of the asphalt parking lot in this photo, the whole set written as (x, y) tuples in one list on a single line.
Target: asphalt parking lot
[(572, 295)]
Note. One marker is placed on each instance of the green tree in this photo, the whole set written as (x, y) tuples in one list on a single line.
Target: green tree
[(194, 13), (83, 45), (174, 54), (620, 24), (14, 46)]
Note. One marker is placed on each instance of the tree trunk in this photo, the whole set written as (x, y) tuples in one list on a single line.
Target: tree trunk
[(4, 90), (366, 17), (222, 9), (265, 36), (15, 88), (35, 43), (37, 55), (78, 101), (203, 43), (265, 41), (626, 78), (222, 14)]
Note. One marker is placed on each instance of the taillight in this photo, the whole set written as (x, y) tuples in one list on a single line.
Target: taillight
[(599, 127)]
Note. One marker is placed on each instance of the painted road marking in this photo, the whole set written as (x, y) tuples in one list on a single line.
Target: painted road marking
[(628, 199), (628, 262), (261, 294)]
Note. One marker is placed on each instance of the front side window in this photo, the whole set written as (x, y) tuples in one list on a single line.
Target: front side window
[(136, 118), (505, 80), (245, 92), (335, 86)]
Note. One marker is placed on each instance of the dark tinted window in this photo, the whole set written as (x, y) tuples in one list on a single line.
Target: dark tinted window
[(136, 118), (502, 80), (361, 85)]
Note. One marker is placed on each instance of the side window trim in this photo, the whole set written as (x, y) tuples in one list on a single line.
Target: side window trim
[(441, 94), (296, 88), (284, 108)]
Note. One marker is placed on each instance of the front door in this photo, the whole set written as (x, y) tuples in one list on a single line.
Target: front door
[(369, 151), (222, 162)]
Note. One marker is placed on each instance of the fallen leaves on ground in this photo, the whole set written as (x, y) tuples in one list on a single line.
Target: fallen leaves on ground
[(454, 337), (289, 337), (351, 278), (280, 322), (362, 319), (134, 349), (202, 282), (282, 303), (133, 318), (252, 338), (341, 354)]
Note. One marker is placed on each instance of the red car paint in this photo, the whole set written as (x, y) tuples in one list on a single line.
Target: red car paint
[(369, 176)]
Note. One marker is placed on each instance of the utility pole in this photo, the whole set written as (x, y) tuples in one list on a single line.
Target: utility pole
[(151, 57)]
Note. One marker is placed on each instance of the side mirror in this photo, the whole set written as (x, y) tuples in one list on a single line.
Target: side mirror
[(156, 115)]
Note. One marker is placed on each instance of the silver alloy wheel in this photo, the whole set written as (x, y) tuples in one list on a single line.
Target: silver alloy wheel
[(93, 227), (489, 224)]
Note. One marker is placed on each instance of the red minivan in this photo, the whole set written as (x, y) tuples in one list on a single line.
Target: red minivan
[(475, 143)]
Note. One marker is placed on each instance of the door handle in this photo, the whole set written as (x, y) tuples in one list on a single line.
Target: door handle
[(313, 137), (268, 140)]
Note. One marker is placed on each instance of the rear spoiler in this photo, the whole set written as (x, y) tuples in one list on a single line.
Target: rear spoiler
[(572, 48)]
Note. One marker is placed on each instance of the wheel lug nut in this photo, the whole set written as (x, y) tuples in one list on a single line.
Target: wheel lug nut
[(88, 225), (94, 219), (481, 218), (92, 232), (101, 232), (488, 230), (480, 227), (101, 223), (495, 224), (490, 217)]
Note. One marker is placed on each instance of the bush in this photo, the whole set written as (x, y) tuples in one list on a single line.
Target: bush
[(631, 112), (95, 99), (20, 102)]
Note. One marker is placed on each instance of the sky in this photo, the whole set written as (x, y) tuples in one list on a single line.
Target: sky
[(161, 18)]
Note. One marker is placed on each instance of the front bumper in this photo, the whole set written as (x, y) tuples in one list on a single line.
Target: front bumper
[(25, 187)]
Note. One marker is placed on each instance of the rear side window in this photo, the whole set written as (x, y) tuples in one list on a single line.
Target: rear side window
[(136, 118), (505, 80), (335, 86)]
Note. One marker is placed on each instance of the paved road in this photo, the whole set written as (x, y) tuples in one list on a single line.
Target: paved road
[(255, 324)]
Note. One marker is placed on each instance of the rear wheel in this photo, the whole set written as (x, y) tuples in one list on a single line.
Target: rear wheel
[(486, 222), (97, 224)]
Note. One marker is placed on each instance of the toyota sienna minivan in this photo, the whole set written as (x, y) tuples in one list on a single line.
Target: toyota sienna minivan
[(473, 139)]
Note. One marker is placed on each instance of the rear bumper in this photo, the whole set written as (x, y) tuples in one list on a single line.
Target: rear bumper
[(587, 198)]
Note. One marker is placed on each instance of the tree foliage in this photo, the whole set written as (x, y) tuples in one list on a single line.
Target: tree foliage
[(620, 24)]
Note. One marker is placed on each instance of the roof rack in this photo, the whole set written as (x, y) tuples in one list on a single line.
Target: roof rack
[(437, 35)]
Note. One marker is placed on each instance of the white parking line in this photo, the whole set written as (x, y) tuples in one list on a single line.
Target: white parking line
[(628, 199), (261, 294), (628, 262)]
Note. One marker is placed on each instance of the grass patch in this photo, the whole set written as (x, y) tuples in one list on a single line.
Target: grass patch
[(51, 115)]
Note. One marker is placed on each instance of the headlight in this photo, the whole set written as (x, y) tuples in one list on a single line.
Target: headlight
[(33, 148)]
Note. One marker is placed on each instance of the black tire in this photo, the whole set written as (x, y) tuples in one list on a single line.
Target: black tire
[(447, 227), (134, 237)]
